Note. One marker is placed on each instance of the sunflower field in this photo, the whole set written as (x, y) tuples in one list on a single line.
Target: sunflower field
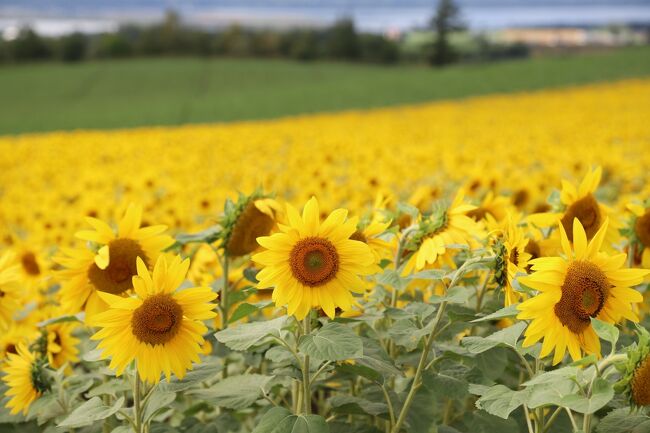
[(478, 265)]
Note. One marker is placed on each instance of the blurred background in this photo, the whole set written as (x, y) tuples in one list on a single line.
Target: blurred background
[(113, 64)]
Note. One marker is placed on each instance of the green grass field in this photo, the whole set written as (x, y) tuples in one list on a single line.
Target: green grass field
[(171, 91)]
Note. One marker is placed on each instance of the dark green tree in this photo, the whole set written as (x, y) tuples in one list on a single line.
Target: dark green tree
[(446, 20)]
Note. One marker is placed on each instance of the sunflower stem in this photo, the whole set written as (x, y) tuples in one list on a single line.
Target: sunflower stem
[(415, 385), (224, 307), (137, 404), (306, 323)]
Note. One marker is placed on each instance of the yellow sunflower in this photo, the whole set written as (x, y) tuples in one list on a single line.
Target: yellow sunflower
[(579, 202), (161, 327), (108, 269), (313, 264), (450, 226), (370, 234), (10, 295), (22, 378), (585, 283), (515, 258), (61, 344), (11, 338)]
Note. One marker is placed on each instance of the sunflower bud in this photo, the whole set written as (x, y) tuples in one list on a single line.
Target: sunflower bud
[(635, 372)]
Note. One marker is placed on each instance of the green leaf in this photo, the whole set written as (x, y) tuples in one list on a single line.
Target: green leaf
[(280, 420), (246, 309), (429, 274), (79, 317), (624, 421), (251, 275), (235, 392), (455, 295), (356, 405), (333, 342), (112, 387), (506, 337), (391, 278), (510, 311), (208, 235), (44, 409), (91, 411), (246, 335), (202, 372), (159, 400), (500, 400), (601, 394), (606, 331)]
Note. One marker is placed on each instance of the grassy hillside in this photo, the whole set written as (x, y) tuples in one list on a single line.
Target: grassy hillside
[(172, 91)]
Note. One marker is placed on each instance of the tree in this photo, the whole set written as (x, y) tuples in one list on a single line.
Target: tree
[(446, 20)]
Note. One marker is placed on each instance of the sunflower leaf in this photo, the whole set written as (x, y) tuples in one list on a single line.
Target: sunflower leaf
[(91, 411), (246, 335), (235, 392), (510, 311), (623, 421), (601, 394), (606, 331), (333, 342), (506, 337), (280, 420), (499, 400)]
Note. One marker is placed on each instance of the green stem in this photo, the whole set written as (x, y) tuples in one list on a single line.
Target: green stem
[(137, 404), (305, 370), (415, 385), (391, 411), (551, 420), (224, 292)]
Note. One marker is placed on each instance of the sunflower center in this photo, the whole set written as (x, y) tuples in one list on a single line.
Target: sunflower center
[(520, 197), (11, 348), (477, 214), (359, 236), (642, 228), (30, 265), (641, 383), (314, 261), (157, 320), (588, 213), (251, 224), (584, 292), (116, 278), (514, 256)]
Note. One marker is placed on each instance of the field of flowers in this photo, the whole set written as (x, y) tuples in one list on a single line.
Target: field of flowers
[(476, 265)]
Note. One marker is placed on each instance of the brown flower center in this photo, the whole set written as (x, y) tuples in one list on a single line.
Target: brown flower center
[(359, 236), (314, 261), (584, 292), (157, 320), (477, 214), (251, 224), (514, 256), (588, 213), (642, 228), (520, 198), (11, 348), (116, 278), (30, 265), (641, 383)]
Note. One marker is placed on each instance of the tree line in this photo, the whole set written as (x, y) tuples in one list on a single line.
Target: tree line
[(340, 41)]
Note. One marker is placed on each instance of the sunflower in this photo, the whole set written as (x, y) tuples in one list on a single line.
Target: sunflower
[(61, 344), (370, 233), (11, 338), (314, 264), (439, 231), (25, 378), (10, 296), (111, 266), (585, 283), (512, 258), (160, 327), (634, 383), (578, 201), (641, 224), (244, 222)]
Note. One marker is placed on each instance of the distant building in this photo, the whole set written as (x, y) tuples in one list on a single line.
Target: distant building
[(571, 37)]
